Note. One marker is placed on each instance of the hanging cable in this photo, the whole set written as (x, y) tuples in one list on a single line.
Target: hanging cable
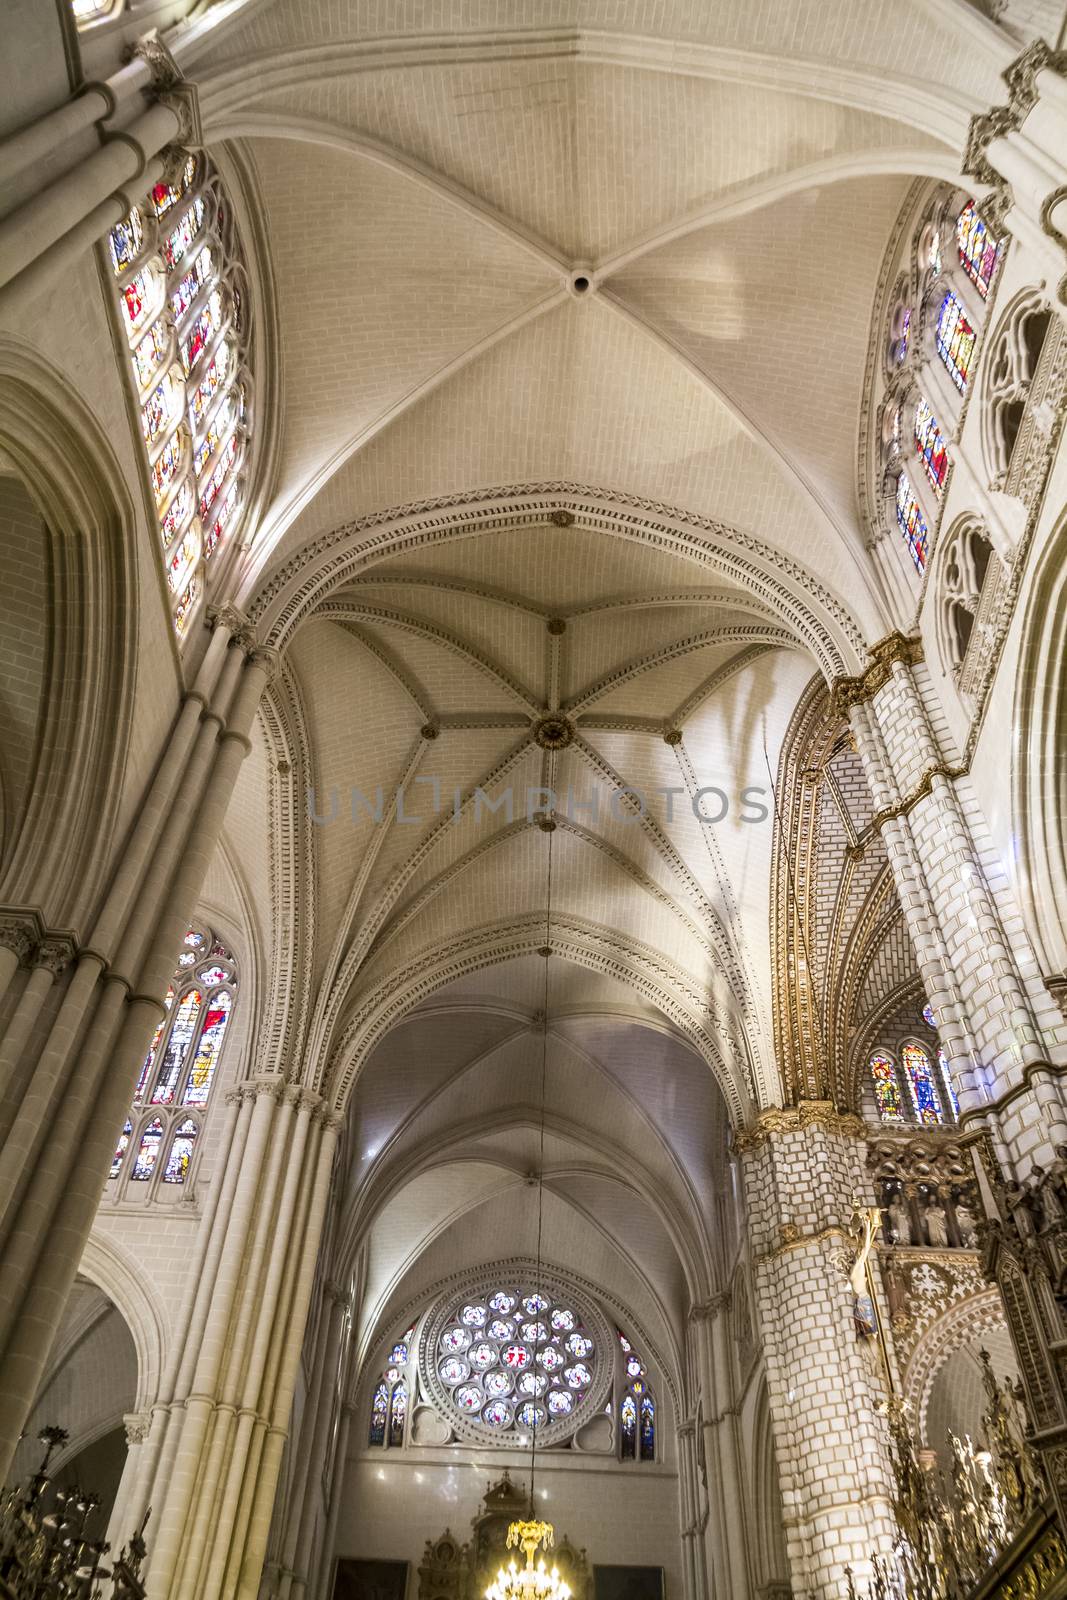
[(547, 953)]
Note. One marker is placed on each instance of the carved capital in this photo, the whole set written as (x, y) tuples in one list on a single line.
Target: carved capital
[(235, 622), (18, 934), (183, 100), (138, 1425), (894, 649), (267, 659), (999, 121), (923, 788), (55, 953), (708, 1310), (821, 1115), (151, 49)]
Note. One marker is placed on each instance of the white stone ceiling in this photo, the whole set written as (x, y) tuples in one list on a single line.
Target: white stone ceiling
[(432, 178)]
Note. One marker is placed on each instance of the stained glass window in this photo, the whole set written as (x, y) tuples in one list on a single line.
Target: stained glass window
[(379, 1413), (207, 1050), (886, 1088), (178, 253), (120, 1149), (928, 1016), (911, 521), (398, 1411), (648, 1427), (518, 1359), (181, 1033), (637, 1408), (903, 338), (930, 443), (183, 1057), (628, 1426), (389, 1405), (955, 340), (979, 251), (920, 1081), (181, 1153), (148, 1151)]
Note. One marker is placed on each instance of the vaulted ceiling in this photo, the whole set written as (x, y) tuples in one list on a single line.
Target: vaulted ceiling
[(615, 266)]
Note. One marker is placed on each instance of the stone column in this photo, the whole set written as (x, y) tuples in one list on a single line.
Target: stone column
[(90, 1043), (319, 1588), (726, 1526), (299, 1554), (694, 1569), (801, 1166), (218, 1432), (993, 1016)]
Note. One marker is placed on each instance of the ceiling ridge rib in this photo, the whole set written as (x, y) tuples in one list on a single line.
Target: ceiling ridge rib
[(267, 124), (757, 194), (674, 652), (342, 610), (279, 521), (754, 430), (407, 680)]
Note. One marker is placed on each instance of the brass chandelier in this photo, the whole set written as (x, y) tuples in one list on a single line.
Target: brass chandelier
[(535, 1582)]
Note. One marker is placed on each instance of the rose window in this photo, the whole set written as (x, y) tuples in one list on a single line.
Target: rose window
[(514, 1358)]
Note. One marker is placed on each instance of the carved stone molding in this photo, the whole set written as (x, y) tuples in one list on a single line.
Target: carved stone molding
[(235, 622), (163, 68), (55, 953), (922, 789), (793, 1238), (138, 1425), (20, 934), (819, 1114), (888, 652), (707, 1310), (999, 121), (184, 101)]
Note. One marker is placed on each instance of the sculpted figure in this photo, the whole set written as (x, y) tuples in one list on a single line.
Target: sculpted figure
[(937, 1224), (1057, 1174), (966, 1224), (1046, 1200), (1018, 1203), (900, 1221)]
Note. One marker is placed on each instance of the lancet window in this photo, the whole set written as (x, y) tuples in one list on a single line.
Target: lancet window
[(913, 1083), (635, 1405), (161, 1135), (390, 1402), (931, 349), (184, 307)]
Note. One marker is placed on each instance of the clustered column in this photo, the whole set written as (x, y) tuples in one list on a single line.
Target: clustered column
[(209, 1467), (799, 1166), (81, 1037), (725, 1544), (981, 979)]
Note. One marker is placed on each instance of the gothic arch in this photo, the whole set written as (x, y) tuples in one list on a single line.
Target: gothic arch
[(71, 472), (962, 1322), (587, 945), (815, 618), (107, 1264)]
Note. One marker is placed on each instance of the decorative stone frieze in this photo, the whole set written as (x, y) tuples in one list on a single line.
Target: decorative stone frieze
[(895, 647), (820, 1114), (997, 123)]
